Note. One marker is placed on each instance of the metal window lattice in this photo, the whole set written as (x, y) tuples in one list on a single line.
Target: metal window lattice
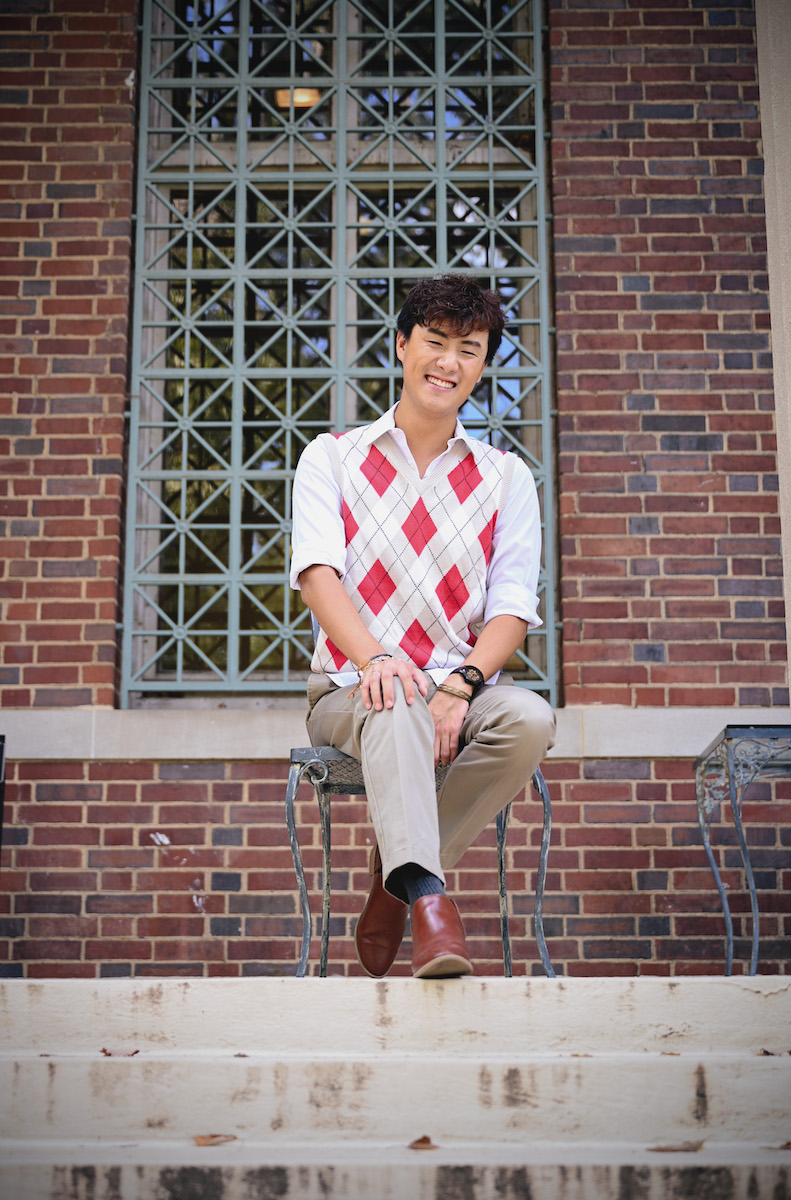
[(300, 165)]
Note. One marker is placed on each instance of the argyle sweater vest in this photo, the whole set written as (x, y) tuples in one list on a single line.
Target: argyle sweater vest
[(417, 550)]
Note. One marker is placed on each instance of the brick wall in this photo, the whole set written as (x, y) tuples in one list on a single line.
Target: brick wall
[(670, 536), (66, 139), (185, 869), (667, 472)]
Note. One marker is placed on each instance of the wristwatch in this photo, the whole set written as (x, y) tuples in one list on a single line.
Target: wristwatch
[(472, 676)]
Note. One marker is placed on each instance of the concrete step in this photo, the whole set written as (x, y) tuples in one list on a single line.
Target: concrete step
[(596, 1015), (523, 1087), (384, 1172)]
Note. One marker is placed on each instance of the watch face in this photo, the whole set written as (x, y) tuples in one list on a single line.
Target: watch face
[(470, 675)]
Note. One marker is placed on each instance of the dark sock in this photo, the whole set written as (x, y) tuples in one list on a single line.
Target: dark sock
[(410, 882)]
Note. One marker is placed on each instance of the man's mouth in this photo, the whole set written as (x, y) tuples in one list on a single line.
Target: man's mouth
[(443, 383)]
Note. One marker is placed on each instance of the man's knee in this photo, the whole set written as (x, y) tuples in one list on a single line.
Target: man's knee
[(540, 717), (401, 715), (530, 721)]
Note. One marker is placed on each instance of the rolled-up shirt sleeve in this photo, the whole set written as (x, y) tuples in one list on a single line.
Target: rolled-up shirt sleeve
[(317, 534), (512, 588)]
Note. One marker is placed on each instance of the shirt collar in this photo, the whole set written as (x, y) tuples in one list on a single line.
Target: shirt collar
[(386, 423)]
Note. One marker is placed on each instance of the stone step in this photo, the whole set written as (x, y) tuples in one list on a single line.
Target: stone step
[(609, 1171), (523, 1098), (599, 1015), (549, 1089)]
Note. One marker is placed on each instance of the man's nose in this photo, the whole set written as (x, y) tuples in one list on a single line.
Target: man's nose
[(448, 359)]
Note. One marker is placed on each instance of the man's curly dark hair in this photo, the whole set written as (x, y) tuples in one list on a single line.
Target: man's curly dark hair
[(457, 301)]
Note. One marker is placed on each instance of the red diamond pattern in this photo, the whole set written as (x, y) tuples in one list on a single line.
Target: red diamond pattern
[(338, 657), (376, 588), (419, 527), (349, 524), (485, 538), (417, 645), (465, 478), (452, 592), (378, 471)]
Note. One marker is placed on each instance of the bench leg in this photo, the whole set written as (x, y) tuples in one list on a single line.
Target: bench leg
[(539, 783), (317, 774), (502, 830), (540, 786), (737, 795), (326, 860), (294, 779), (704, 821)]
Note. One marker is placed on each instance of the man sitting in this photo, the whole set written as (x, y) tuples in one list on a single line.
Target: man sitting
[(417, 548)]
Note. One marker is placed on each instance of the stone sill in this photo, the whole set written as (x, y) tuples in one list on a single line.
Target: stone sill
[(100, 734)]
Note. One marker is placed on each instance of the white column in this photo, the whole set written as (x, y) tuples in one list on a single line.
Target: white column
[(774, 77)]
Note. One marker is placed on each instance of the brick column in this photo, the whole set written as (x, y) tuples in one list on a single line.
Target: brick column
[(67, 119), (668, 481)]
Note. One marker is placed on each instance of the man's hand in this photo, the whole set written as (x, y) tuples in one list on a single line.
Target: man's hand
[(376, 685), (448, 712)]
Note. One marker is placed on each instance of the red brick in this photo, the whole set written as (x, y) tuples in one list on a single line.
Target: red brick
[(58, 949), (63, 881), (134, 949), (170, 927), (65, 835)]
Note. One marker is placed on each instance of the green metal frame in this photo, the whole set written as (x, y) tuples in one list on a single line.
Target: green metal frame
[(275, 244)]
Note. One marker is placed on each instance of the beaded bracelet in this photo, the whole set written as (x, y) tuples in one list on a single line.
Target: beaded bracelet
[(364, 666), (452, 691)]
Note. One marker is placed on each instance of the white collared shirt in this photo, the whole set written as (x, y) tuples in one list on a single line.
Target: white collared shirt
[(318, 535)]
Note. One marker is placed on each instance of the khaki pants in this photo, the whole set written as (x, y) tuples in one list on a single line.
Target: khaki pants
[(505, 735)]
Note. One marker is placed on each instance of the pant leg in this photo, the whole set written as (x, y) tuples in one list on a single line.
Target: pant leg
[(506, 734), (396, 750)]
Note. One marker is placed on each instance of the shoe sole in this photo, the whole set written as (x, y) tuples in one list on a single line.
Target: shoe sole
[(444, 966)]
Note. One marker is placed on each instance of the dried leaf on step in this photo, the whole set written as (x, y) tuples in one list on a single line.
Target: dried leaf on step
[(213, 1139), (678, 1148), (423, 1143), (785, 1146), (119, 1053)]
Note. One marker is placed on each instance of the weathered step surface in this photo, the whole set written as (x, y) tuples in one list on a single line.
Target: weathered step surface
[(563, 1089)]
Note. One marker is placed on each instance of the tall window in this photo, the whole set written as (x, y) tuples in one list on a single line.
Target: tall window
[(301, 163)]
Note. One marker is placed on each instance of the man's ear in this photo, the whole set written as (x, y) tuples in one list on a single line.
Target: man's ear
[(400, 345)]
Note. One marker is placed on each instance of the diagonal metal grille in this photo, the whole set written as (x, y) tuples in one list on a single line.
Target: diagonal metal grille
[(301, 163)]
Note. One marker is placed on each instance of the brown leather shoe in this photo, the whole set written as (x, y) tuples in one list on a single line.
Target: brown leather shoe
[(438, 945), (381, 926)]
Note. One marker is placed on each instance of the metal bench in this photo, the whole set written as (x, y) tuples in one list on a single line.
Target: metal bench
[(738, 755), (333, 773)]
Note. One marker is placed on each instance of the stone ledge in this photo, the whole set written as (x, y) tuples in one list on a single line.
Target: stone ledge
[(102, 734), (696, 1014)]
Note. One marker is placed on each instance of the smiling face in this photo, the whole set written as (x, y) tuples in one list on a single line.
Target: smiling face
[(441, 368)]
